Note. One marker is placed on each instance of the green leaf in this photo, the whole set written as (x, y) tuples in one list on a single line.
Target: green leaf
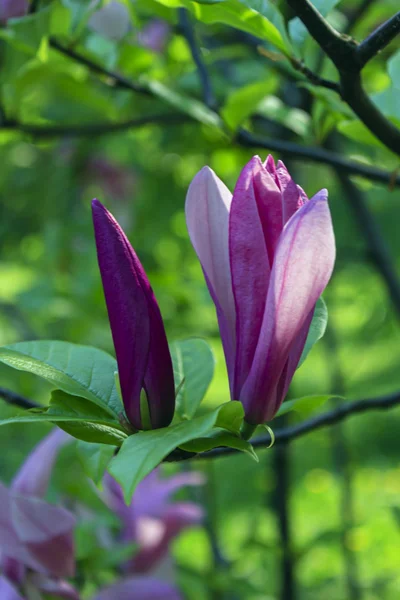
[(193, 362), (78, 370), (185, 104), (245, 101), (143, 451), (305, 406), (393, 67), (94, 459), (239, 15), (317, 328), (82, 419), (218, 438)]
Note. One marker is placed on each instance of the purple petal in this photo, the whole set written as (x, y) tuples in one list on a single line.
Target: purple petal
[(33, 477), (10, 9), (138, 332), (45, 534), (55, 587), (302, 268), (207, 208), (8, 591), (254, 228), (293, 197), (140, 588)]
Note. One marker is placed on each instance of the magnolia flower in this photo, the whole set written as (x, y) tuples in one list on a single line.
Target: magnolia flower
[(10, 9), (139, 588), (152, 520), (144, 362), (34, 534), (267, 254)]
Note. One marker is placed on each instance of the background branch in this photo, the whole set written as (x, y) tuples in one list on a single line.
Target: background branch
[(378, 40), (17, 400)]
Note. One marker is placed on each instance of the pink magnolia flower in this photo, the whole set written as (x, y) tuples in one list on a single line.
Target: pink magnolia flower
[(10, 9), (33, 533), (152, 520), (267, 254)]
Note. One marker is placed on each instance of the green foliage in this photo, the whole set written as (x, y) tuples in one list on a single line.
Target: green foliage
[(317, 328), (78, 370), (304, 406), (94, 458), (193, 362), (142, 452)]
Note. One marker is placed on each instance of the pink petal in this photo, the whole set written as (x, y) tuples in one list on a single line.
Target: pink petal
[(207, 208), (33, 477), (302, 268), (8, 591), (292, 198), (45, 533), (254, 228)]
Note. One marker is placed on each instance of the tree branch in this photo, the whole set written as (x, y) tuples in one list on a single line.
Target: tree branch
[(347, 57), (117, 79), (341, 412), (187, 30), (17, 400), (317, 155), (93, 129), (378, 40)]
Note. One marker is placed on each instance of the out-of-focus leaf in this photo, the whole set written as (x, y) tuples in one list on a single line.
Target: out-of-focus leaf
[(243, 102), (393, 67), (295, 119), (78, 370), (193, 362), (317, 328), (357, 131), (143, 451), (305, 406), (187, 105), (238, 14)]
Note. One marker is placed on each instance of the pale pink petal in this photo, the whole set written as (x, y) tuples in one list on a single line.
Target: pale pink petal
[(8, 591), (254, 228), (207, 208), (302, 268), (140, 588), (45, 533), (56, 587), (112, 21), (33, 477)]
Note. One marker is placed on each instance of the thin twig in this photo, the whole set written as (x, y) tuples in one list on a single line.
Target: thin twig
[(93, 129), (344, 52), (313, 77), (376, 242), (188, 32), (341, 412), (17, 400), (378, 40), (117, 79), (317, 155)]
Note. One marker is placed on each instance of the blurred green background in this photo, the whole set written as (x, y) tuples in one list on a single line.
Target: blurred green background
[(50, 286)]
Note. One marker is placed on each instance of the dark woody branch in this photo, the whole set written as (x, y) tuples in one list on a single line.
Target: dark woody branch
[(349, 59)]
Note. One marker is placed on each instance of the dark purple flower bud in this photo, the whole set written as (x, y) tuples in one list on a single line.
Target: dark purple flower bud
[(141, 347)]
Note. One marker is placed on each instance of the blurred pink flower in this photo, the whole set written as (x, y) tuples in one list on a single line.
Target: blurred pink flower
[(154, 35), (33, 533), (10, 9), (117, 181), (152, 519)]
